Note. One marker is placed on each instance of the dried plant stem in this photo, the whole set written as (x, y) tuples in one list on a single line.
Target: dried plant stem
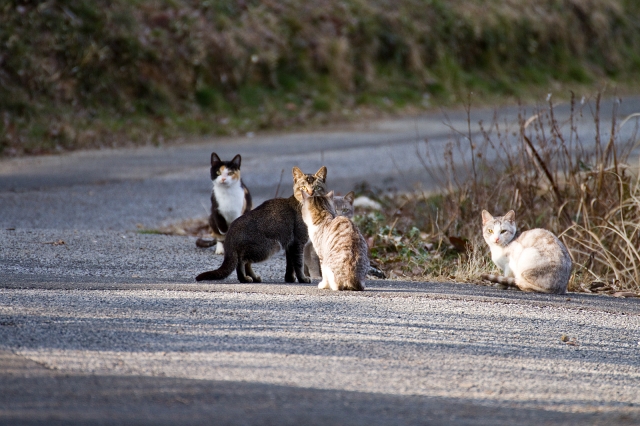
[(552, 182)]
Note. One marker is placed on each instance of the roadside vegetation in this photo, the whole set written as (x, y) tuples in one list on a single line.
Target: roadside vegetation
[(97, 73), (581, 187)]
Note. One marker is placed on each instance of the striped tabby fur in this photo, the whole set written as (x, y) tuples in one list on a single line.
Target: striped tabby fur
[(343, 207), (342, 250), (500, 279)]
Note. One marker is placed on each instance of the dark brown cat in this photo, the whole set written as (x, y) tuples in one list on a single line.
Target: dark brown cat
[(260, 233)]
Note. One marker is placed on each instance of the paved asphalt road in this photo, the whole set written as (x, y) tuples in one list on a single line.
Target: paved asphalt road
[(111, 328)]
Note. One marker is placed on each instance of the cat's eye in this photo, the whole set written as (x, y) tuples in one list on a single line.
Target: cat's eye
[(503, 231), (490, 231), (218, 172)]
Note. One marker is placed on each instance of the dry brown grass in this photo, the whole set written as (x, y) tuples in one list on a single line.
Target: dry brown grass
[(579, 186)]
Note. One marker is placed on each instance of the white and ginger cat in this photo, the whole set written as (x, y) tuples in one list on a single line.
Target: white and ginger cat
[(230, 198), (340, 246), (343, 207), (533, 260)]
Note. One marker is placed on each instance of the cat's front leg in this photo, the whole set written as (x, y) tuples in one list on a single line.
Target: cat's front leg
[(219, 247), (329, 278), (289, 276), (507, 271), (295, 263), (324, 284)]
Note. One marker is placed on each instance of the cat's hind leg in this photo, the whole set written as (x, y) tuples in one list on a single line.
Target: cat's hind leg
[(539, 281), (249, 271), (240, 271)]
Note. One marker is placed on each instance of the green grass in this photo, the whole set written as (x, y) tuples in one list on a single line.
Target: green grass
[(150, 232), (121, 73)]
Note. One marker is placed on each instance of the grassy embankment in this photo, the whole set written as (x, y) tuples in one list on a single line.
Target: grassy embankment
[(88, 74)]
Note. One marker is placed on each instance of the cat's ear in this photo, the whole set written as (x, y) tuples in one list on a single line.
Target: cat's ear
[(510, 216), (330, 195), (215, 158), (486, 216), (297, 173), (350, 197), (322, 173), (236, 160)]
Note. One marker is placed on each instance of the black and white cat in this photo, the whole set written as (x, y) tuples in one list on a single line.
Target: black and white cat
[(230, 198)]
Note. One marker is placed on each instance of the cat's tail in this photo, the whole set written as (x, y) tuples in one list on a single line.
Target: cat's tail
[(228, 265), (499, 279), (202, 243)]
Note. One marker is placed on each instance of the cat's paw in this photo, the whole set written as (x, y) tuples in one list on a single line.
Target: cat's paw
[(323, 284), (257, 279), (245, 280), (219, 248), (290, 278), (304, 279)]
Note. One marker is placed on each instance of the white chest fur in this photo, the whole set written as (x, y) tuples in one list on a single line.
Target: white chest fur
[(312, 230), (506, 258), (230, 199), (499, 256)]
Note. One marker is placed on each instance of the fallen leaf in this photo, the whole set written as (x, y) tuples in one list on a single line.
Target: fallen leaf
[(564, 338), (460, 244)]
